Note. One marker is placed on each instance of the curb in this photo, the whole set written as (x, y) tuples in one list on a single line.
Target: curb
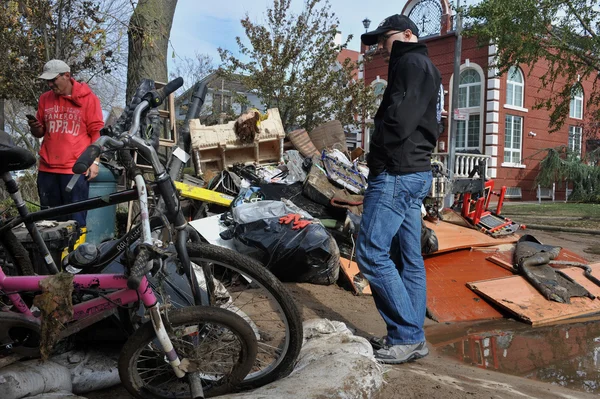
[(558, 228)]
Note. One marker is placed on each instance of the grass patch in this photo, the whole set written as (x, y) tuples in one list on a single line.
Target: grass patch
[(555, 209)]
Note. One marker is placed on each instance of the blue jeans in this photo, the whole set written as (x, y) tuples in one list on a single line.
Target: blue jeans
[(388, 252), (52, 191)]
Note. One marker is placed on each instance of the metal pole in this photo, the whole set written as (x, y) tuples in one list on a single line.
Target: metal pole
[(454, 105)]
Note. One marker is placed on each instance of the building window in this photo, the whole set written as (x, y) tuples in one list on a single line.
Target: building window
[(575, 139), (468, 138), (576, 108), (513, 135), (514, 87), (469, 91), (221, 103)]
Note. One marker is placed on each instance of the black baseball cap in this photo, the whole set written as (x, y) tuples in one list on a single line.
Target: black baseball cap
[(395, 22)]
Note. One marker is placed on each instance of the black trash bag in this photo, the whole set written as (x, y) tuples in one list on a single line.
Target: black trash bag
[(307, 255), (429, 241)]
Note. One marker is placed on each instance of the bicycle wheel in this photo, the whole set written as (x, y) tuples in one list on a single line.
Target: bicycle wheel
[(247, 288), (217, 343), (14, 258)]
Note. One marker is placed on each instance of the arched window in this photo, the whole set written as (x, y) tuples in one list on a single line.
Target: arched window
[(468, 136), (514, 87), (469, 91), (576, 107)]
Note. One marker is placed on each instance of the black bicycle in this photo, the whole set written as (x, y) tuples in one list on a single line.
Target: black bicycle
[(187, 270)]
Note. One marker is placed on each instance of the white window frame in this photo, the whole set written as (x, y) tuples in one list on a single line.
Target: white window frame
[(468, 86), (575, 145), (513, 72), (576, 100), (478, 110), (512, 150)]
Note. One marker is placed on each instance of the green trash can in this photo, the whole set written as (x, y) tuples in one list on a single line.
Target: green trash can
[(101, 222)]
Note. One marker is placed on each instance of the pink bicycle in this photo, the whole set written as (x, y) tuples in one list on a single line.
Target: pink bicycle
[(194, 351)]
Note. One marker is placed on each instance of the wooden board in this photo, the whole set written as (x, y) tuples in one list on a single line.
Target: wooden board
[(452, 237), (519, 297), (350, 270), (448, 297)]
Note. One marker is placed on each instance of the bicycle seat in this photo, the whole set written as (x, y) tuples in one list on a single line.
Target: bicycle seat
[(13, 157)]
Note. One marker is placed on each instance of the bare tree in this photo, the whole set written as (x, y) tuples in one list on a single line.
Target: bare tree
[(149, 32), (87, 35), (192, 69)]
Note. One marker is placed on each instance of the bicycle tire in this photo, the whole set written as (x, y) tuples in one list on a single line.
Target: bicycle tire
[(186, 318), (288, 346), (16, 254)]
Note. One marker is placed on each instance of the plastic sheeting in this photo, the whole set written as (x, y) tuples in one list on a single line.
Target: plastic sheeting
[(90, 370), (333, 363), (33, 378)]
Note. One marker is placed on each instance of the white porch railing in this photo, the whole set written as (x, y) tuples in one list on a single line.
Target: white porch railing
[(463, 163)]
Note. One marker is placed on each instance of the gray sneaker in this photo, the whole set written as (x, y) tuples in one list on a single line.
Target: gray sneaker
[(397, 354)]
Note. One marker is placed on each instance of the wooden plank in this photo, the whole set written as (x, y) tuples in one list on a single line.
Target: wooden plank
[(452, 237), (448, 297), (497, 260), (350, 269), (520, 298)]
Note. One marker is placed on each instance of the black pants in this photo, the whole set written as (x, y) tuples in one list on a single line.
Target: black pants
[(52, 191)]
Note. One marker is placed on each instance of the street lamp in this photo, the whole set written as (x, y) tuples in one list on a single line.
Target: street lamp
[(366, 23)]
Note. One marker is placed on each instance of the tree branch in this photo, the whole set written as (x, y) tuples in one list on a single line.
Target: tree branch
[(581, 21)]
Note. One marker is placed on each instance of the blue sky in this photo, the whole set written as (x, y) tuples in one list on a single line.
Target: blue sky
[(205, 25)]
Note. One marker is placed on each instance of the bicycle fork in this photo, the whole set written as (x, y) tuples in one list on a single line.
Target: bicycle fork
[(172, 357), (154, 310)]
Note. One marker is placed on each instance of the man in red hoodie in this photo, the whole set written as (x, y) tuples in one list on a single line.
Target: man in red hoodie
[(69, 119)]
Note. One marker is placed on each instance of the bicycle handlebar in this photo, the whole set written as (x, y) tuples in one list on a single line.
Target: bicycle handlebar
[(85, 160), (156, 97)]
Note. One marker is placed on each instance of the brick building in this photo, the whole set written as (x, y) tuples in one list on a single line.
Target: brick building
[(501, 124)]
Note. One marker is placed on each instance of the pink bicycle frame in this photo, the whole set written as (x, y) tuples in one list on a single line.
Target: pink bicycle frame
[(12, 286)]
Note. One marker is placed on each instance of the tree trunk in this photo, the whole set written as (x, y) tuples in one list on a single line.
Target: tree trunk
[(1, 114), (149, 31)]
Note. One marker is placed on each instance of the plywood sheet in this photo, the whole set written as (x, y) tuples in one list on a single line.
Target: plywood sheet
[(452, 237), (359, 283), (519, 297), (448, 297)]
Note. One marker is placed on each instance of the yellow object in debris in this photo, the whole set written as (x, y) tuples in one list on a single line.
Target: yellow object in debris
[(202, 194), (80, 240), (261, 117)]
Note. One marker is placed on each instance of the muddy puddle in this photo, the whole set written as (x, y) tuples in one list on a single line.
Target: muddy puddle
[(567, 355)]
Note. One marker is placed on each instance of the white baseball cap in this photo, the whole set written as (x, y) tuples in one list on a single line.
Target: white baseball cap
[(53, 68)]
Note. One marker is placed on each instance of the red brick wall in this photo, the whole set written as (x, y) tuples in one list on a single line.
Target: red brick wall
[(535, 120)]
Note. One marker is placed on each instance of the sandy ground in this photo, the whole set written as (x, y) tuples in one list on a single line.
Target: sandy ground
[(434, 376)]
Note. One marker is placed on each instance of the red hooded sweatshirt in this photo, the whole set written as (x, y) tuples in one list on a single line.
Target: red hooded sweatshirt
[(71, 123)]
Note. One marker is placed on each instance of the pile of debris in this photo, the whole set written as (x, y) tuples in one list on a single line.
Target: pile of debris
[(294, 205)]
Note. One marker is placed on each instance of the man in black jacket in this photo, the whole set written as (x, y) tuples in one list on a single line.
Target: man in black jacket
[(399, 160)]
